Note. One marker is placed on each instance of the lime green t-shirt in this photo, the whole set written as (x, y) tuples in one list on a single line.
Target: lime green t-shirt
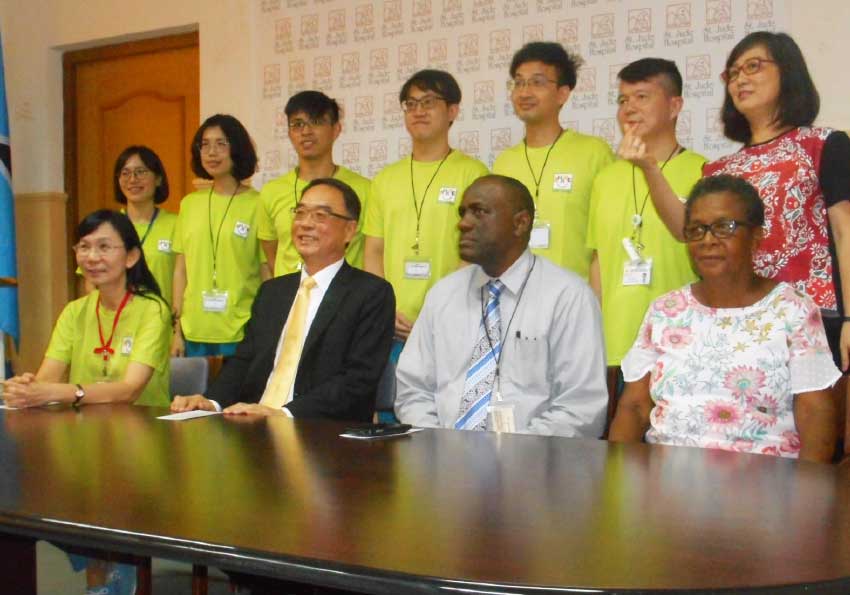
[(274, 218), (237, 263), (563, 199), (612, 208), (391, 215), (143, 335), (157, 247)]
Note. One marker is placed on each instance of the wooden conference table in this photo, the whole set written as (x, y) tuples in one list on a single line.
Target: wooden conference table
[(437, 511)]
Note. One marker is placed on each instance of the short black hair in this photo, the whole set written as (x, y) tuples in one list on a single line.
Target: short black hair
[(799, 102), (151, 161), (746, 194), (140, 280), (242, 151), (438, 81), (313, 103), (647, 68), (551, 54), (349, 196)]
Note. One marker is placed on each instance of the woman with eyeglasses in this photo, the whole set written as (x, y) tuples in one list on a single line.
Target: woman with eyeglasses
[(217, 271), (801, 173), (141, 184), (735, 361)]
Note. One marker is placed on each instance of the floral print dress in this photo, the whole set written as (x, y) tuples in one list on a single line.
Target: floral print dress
[(726, 377)]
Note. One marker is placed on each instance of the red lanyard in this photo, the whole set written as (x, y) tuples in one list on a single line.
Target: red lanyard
[(106, 346)]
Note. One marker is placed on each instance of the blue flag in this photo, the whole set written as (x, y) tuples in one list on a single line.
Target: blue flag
[(9, 322)]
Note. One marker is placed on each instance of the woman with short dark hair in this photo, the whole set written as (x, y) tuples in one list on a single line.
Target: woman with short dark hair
[(735, 361), (217, 270)]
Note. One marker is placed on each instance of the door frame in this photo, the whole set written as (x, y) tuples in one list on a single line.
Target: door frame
[(70, 62)]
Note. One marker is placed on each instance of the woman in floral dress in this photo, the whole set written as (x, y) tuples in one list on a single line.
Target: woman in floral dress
[(734, 361)]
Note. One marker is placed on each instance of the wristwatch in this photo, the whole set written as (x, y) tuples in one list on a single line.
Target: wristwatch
[(78, 395)]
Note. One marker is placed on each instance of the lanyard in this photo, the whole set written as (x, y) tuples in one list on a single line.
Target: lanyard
[(295, 183), (215, 241), (150, 225), (105, 348), (637, 218), (538, 180), (421, 204), (498, 356)]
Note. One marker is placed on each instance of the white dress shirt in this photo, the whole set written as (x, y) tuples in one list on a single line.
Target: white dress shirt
[(552, 366)]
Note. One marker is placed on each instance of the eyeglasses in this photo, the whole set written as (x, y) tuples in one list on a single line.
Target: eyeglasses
[(319, 214), (138, 173), (220, 146), (426, 102), (300, 125), (749, 67), (99, 249), (538, 81), (721, 229)]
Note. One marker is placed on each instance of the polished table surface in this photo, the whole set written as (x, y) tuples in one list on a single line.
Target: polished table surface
[(436, 511)]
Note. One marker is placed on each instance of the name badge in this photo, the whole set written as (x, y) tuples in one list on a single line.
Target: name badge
[(447, 195), (502, 418), (563, 182), (214, 300), (163, 245), (417, 269), (241, 229), (637, 273), (540, 235), (126, 345)]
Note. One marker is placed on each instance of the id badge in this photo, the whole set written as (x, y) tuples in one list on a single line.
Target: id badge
[(638, 273), (164, 246), (417, 268), (126, 345), (502, 418), (540, 233), (562, 182), (214, 300), (241, 229), (447, 195)]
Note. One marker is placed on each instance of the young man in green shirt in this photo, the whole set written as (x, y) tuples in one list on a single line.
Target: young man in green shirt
[(314, 126), (411, 219), (637, 212), (556, 165)]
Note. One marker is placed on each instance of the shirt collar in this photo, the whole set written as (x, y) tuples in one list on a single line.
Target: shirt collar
[(512, 278), (326, 275)]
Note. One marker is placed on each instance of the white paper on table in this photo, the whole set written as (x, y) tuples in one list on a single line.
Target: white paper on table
[(188, 415)]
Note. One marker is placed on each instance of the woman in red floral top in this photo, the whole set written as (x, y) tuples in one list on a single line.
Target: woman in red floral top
[(802, 174)]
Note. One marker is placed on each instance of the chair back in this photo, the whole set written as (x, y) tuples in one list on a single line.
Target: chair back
[(189, 375)]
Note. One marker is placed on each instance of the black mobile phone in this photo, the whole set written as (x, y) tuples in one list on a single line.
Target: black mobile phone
[(379, 430)]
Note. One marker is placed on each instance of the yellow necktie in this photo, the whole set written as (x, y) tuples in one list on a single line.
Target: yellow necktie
[(277, 390)]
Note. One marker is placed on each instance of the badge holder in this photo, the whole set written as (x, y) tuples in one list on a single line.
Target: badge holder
[(541, 232), (415, 265), (501, 414), (636, 271), (214, 300)]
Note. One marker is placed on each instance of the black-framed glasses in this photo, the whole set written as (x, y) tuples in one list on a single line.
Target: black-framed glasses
[(749, 67), (318, 214), (300, 125), (426, 102), (538, 81), (720, 229)]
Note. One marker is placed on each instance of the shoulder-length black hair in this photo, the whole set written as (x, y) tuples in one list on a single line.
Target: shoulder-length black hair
[(799, 102), (242, 151), (140, 280), (151, 161)]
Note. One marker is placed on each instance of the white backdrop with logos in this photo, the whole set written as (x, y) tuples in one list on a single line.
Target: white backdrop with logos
[(361, 51)]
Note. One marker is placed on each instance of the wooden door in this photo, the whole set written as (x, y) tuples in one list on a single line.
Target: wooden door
[(144, 92)]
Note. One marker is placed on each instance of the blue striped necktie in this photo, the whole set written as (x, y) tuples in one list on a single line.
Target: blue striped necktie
[(478, 388)]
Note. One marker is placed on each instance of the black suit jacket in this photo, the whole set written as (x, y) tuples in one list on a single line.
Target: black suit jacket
[(344, 354)]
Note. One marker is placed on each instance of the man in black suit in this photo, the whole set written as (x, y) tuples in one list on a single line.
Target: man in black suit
[(346, 333)]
